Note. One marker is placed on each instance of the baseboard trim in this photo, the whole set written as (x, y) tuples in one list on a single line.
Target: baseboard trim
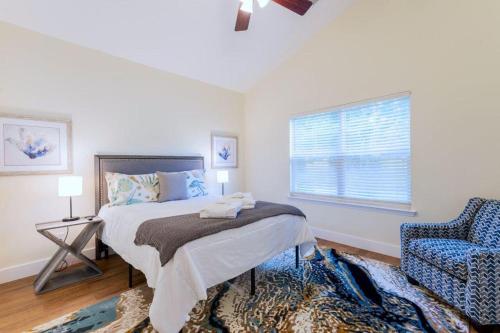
[(362, 243), (17, 272), (32, 268)]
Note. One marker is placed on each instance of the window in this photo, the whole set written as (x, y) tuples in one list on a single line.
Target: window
[(359, 151)]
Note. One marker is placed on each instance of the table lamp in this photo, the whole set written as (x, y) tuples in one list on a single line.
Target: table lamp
[(70, 186), (222, 178)]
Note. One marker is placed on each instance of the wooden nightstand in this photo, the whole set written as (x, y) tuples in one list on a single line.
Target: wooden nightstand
[(48, 279)]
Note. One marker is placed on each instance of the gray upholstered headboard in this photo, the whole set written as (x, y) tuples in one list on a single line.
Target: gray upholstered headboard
[(135, 165)]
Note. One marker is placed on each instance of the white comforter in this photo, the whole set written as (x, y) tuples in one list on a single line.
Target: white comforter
[(202, 263)]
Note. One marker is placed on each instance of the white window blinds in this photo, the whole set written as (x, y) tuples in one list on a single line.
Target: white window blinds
[(358, 152)]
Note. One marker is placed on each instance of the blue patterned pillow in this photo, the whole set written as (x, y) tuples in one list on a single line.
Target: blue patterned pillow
[(485, 230), (131, 189), (196, 185)]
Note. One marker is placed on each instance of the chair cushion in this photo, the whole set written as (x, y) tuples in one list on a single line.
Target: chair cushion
[(446, 254), (485, 229)]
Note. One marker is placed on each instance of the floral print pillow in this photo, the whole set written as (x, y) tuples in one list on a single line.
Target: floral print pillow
[(196, 183), (130, 189)]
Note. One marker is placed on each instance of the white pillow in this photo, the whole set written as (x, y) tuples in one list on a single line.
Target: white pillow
[(130, 189)]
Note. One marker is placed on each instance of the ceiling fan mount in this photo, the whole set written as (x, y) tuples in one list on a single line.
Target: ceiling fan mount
[(246, 9)]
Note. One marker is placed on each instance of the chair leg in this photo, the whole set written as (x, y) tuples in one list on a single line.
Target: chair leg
[(297, 255), (130, 271), (252, 281)]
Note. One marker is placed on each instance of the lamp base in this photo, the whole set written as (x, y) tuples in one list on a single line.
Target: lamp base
[(70, 219)]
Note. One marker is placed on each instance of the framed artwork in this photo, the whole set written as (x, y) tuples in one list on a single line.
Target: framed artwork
[(224, 151), (34, 146)]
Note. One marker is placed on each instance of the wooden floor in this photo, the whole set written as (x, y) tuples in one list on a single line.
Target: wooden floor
[(21, 309), (363, 253)]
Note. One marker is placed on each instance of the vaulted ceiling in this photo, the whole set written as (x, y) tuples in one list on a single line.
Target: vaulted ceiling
[(192, 38)]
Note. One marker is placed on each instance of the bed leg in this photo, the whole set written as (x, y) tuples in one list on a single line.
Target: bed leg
[(297, 255), (252, 281), (106, 252), (130, 271), (98, 253)]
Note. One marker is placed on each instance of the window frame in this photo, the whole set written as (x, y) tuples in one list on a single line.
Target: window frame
[(389, 206)]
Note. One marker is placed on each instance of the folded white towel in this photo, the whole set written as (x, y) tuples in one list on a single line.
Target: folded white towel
[(240, 195), (221, 210), (246, 199)]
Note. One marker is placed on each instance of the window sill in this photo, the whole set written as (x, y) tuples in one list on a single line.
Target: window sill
[(391, 208)]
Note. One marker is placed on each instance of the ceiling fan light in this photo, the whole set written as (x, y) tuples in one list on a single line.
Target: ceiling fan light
[(263, 3), (247, 6)]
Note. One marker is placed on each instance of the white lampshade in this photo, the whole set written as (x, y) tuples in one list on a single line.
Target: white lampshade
[(263, 3), (247, 6), (70, 186), (222, 176)]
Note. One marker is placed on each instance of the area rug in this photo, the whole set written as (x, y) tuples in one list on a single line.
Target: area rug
[(330, 292)]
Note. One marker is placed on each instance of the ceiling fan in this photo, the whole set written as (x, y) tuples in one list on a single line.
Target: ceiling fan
[(246, 9)]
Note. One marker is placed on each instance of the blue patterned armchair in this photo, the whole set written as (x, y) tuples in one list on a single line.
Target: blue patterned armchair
[(459, 260)]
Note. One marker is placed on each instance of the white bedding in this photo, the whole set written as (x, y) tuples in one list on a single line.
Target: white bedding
[(202, 263)]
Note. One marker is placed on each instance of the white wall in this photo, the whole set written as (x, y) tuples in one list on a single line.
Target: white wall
[(116, 107), (446, 53)]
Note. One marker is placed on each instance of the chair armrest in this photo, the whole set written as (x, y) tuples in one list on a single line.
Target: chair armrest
[(451, 230), (410, 231), (482, 296), (484, 260), (455, 229)]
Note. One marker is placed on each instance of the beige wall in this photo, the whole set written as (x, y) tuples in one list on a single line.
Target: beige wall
[(447, 53), (116, 107)]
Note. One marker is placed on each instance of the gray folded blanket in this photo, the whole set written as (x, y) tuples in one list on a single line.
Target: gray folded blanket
[(167, 234)]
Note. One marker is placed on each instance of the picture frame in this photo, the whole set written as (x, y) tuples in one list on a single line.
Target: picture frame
[(224, 151), (35, 146)]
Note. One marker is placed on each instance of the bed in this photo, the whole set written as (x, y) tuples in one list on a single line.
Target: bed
[(199, 264)]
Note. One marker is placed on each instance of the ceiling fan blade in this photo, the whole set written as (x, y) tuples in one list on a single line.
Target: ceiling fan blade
[(298, 6), (242, 20)]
